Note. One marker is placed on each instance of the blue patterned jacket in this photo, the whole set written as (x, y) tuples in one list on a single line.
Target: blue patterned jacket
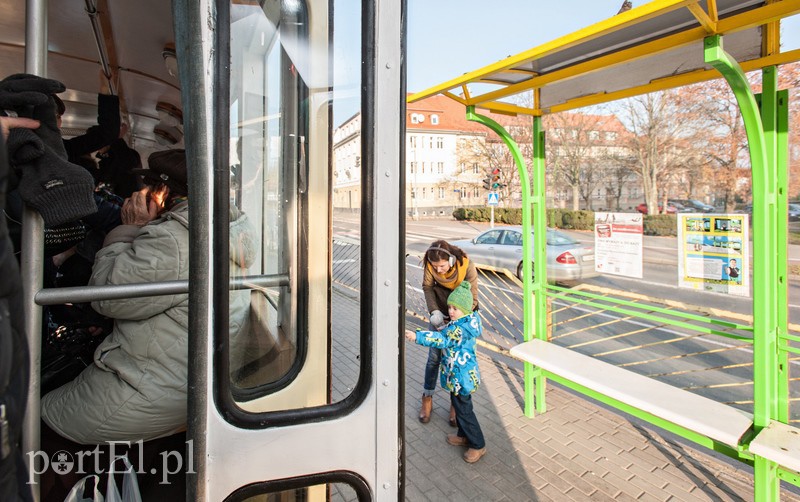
[(459, 368)]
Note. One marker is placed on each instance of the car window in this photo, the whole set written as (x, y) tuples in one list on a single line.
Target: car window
[(488, 237), (559, 239), (511, 238)]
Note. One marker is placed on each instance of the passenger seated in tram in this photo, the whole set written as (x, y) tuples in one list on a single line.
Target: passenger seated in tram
[(137, 387)]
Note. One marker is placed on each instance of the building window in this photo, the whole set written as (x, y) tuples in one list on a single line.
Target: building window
[(611, 136), (412, 141), (440, 142), (430, 142), (475, 193), (462, 167), (413, 193), (423, 167), (441, 193), (463, 193), (594, 135), (475, 169), (423, 192), (440, 167), (574, 133), (434, 119), (413, 167)]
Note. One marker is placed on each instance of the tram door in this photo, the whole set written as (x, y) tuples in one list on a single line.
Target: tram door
[(295, 374)]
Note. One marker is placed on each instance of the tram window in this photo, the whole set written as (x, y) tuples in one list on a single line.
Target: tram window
[(335, 492), (291, 127), (267, 148)]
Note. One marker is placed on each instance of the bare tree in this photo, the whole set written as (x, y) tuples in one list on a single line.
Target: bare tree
[(658, 140), (489, 152), (576, 153)]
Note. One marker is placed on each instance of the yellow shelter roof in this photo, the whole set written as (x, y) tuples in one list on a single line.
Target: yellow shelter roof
[(656, 46)]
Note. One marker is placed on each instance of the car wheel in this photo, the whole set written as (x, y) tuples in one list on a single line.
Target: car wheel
[(519, 270)]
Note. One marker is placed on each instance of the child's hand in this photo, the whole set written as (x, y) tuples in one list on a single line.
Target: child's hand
[(411, 336)]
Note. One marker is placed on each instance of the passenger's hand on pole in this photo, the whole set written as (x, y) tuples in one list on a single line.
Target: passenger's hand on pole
[(411, 336), (138, 209)]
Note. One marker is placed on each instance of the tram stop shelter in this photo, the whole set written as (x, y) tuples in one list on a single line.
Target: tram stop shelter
[(660, 45)]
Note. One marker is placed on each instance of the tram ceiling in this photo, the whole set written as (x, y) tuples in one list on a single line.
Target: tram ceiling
[(656, 46), (133, 36)]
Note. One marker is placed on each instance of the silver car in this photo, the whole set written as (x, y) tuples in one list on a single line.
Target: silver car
[(567, 259)]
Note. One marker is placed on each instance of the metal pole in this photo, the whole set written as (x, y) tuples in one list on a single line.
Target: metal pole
[(32, 264), (491, 222), (527, 258), (767, 484)]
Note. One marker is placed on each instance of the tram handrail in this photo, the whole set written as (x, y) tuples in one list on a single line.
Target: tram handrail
[(83, 294)]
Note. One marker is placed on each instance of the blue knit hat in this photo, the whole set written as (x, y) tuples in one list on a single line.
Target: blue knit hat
[(461, 298)]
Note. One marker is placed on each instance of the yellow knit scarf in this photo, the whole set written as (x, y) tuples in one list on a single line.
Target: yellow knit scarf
[(455, 279)]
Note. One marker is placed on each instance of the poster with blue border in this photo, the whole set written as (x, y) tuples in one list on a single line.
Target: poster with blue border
[(714, 253)]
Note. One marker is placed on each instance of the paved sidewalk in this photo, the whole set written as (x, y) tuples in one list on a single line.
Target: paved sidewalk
[(576, 451)]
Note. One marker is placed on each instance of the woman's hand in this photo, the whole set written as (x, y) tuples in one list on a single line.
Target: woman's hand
[(138, 210), (411, 336), (437, 318)]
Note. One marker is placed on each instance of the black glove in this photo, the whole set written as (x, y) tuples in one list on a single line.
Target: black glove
[(22, 90)]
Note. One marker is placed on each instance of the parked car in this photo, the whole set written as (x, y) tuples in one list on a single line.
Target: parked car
[(694, 205), (567, 259), (671, 208), (794, 212)]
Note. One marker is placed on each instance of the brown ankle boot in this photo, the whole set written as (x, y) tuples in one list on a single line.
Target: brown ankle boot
[(425, 410), (453, 422), (472, 455)]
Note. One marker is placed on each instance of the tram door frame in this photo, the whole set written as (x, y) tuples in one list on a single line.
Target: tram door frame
[(357, 440)]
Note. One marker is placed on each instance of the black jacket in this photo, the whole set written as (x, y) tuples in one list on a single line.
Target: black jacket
[(14, 360)]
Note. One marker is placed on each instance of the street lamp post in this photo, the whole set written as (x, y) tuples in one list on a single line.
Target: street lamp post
[(414, 194)]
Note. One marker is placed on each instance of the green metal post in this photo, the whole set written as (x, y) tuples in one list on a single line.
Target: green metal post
[(527, 285), (539, 250), (767, 484), (782, 167)]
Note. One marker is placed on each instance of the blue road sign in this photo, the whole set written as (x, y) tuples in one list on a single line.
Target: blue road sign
[(493, 198)]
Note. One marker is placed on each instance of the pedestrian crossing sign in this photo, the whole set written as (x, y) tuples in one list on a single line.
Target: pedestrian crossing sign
[(494, 198)]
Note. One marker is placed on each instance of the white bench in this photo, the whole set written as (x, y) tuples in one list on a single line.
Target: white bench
[(779, 443), (698, 414)]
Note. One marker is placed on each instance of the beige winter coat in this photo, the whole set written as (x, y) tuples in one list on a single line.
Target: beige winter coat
[(136, 388)]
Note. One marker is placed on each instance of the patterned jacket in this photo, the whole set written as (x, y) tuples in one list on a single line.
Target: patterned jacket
[(459, 368)]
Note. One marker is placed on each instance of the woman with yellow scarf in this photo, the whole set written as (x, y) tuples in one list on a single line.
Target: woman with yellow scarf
[(445, 267)]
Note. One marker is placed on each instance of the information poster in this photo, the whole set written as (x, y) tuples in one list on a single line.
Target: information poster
[(713, 253), (618, 243)]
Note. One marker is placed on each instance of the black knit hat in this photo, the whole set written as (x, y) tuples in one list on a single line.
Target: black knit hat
[(167, 167)]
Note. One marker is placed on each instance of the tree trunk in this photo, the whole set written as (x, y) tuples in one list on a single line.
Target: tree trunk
[(576, 198)]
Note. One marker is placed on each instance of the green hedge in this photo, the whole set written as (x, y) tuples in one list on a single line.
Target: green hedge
[(659, 224)]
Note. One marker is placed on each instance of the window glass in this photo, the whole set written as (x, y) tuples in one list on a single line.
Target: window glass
[(488, 238), (267, 148)]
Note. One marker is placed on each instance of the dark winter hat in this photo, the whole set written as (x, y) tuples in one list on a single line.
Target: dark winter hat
[(461, 298), (167, 167)]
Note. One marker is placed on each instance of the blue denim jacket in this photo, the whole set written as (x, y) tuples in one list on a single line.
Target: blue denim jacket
[(459, 368)]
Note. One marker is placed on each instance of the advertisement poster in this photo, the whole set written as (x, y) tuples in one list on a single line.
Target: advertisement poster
[(618, 243), (713, 253)]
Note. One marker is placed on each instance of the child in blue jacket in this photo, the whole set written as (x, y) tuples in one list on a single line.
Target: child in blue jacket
[(459, 367)]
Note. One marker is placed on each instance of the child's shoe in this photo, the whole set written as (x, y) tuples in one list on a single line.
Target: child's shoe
[(456, 440), (472, 455)]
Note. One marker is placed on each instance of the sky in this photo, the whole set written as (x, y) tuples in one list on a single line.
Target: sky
[(447, 38)]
